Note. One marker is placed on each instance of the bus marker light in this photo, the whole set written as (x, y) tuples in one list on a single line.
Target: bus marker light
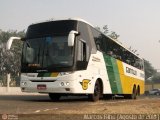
[(67, 83)]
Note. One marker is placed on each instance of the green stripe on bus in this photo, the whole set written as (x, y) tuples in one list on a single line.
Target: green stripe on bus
[(113, 74), (47, 75), (117, 75), (40, 74)]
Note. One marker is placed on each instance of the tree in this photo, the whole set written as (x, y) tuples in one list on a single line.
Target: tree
[(114, 35), (10, 60), (156, 78), (105, 30), (149, 70)]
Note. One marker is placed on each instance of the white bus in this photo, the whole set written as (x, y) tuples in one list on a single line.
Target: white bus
[(70, 57)]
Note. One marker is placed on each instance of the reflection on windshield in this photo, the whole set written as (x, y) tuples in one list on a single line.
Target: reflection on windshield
[(47, 52)]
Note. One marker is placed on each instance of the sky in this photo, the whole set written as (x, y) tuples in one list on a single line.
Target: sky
[(136, 21)]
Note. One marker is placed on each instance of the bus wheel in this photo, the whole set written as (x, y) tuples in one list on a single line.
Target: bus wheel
[(97, 92), (134, 93), (54, 96)]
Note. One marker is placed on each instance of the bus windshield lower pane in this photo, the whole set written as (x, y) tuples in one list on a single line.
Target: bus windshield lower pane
[(47, 52)]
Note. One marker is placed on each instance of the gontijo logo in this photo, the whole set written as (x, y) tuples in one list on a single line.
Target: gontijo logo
[(85, 83)]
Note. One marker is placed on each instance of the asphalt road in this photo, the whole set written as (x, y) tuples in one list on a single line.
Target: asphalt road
[(40, 105)]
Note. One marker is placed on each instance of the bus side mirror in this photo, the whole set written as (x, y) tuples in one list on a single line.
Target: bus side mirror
[(71, 37), (9, 42)]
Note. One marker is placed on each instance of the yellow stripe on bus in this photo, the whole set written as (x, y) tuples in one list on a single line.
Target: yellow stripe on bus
[(54, 74), (128, 82)]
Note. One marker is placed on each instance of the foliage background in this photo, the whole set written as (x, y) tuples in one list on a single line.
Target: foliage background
[(10, 60)]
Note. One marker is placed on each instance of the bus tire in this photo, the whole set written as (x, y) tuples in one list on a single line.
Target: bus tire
[(134, 93), (54, 96), (97, 92), (138, 91)]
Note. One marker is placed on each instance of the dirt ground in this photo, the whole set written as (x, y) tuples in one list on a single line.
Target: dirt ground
[(143, 105), (144, 108), (75, 108)]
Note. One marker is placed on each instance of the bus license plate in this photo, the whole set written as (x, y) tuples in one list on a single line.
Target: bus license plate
[(41, 87)]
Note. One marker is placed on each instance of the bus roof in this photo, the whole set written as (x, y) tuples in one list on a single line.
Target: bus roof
[(76, 19)]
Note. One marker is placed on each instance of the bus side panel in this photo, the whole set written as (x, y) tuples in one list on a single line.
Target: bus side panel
[(113, 74), (97, 69), (120, 81), (128, 81)]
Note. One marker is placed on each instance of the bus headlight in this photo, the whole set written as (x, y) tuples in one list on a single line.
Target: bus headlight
[(67, 83), (62, 83)]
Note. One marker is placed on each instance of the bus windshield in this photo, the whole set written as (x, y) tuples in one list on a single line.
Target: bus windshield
[(46, 47), (47, 52)]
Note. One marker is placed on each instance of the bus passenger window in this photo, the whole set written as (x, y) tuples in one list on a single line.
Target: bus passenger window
[(98, 46), (110, 53), (128, 61), (82, 51)]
